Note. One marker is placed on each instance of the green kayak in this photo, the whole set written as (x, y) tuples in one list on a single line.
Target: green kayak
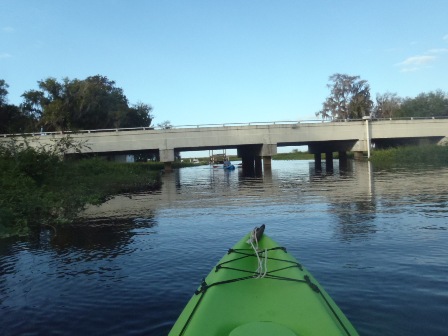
[(259, 289)]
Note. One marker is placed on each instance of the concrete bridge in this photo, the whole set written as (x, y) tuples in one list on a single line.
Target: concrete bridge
[(257, 142)]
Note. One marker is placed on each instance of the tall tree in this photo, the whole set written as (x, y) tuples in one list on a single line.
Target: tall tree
[(387, 105), (92, 103), (349, 98)]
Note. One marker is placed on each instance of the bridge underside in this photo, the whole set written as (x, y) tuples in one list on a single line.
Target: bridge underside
[(255, 156)]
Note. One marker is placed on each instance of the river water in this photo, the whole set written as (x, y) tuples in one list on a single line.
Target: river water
[(376, 240)]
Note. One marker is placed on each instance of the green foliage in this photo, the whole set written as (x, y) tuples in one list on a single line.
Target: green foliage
[(3, 92), (92, 103), (12, 119), (38, 187), (411, 155), (432, 104)]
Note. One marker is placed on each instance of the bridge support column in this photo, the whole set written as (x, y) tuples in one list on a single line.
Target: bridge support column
[(251, 159), (168, 167), (248, 164), (317, 162), (329, 162), (267, 161), (267, 151), (343, 160), (359, 155), (258, 165), (167, 157)]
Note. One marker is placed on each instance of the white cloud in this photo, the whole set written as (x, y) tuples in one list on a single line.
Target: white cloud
[(411, 69), (437, 51), (417, 60), (5, 55), (446, 37)]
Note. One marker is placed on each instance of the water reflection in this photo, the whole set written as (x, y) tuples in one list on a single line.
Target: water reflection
[(110, 235)]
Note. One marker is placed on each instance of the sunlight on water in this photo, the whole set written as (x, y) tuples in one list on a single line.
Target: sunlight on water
[(376, 240)]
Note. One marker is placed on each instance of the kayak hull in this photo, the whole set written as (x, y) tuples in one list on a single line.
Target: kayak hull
[(234, 299)]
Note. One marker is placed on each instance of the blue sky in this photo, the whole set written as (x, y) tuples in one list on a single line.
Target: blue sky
[(210, 62)]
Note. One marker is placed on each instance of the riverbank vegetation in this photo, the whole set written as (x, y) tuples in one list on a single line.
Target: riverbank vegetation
[(39, 188), (410, 156)]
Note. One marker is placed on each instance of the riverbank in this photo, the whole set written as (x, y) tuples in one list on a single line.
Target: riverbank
[(37, 189)]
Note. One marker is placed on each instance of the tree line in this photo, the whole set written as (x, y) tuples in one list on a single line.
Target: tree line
[(350, 99), (72, 104)]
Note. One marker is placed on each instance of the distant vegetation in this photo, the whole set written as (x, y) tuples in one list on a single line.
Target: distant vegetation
[(295, 155)]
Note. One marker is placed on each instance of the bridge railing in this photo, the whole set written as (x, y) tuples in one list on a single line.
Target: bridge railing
[(159, 128), (256, 123)]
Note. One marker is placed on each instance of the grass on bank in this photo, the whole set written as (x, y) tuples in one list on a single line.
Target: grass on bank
[(411, 156)]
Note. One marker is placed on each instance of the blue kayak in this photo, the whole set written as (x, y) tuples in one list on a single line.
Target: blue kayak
[(231, 167)]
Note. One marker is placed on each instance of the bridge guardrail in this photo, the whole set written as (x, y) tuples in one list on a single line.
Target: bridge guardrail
[(261, 123)]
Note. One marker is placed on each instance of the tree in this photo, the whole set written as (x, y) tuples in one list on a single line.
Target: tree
[(350, 98), (12, 119), (92, 103), (138, 114), (3, 92), (165, 125), (432, 104), (387, 105), (48, 104)]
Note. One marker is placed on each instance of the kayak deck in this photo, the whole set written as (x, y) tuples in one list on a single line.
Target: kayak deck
[(235, 299)]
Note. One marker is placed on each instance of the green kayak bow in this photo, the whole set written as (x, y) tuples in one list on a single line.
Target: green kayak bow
[(259, 289)]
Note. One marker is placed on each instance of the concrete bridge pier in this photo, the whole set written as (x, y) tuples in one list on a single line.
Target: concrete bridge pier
[(267, 151), (329, 162), (267, 164), (258, 166), (358, 155), (318, 162), (248, 163), (255, 157), (343, 160), (167, 157)]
